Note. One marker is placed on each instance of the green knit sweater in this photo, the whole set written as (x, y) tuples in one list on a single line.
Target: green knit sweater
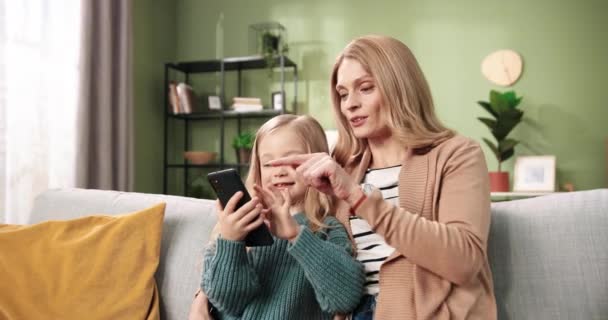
[(312, 278)]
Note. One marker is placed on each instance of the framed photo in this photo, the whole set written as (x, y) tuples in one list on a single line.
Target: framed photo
[(534, 173), (278, 99), (215, 103)]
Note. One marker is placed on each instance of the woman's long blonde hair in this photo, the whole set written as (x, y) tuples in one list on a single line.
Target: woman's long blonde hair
[(317, 205), (404, 90)]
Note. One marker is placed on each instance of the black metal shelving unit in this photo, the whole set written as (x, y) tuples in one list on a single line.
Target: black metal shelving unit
[(238, 65)]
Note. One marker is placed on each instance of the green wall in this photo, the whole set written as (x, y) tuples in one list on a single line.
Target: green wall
[(564, 47), (154, 28)]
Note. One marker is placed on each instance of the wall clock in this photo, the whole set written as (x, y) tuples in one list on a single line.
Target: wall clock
[(502, 67)]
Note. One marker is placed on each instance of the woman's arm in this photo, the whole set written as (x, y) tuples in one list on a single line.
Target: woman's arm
[(454, 247), (229, 280), (336, 277)]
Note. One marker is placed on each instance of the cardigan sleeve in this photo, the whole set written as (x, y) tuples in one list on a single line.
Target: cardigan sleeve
[(454, 246)]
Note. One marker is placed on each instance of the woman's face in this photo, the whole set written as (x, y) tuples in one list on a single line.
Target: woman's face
[(361, 101)]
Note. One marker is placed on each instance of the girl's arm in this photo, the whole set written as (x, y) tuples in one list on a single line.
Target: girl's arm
[(229, 280), (336, 277), (454, 246)]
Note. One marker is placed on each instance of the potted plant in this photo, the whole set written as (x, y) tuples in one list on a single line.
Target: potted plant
[(242, 144), (199, 188), (505, 116), (272, 45)]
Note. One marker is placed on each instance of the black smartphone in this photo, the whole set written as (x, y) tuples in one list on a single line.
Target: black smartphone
[(228, 182)]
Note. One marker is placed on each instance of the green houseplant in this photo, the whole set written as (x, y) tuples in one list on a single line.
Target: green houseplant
[(242, 144), (505, 116), (272, 45), (199, 188)]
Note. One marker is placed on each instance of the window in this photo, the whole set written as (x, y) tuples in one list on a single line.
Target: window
[(39, 51)]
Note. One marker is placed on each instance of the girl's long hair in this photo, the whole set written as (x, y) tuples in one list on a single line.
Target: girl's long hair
[(317, 205)]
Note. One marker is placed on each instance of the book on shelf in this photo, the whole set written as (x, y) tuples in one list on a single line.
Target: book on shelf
[(173, 98), (246, 104), (245, 100), (246, 107), (181, 98), (186, 98)]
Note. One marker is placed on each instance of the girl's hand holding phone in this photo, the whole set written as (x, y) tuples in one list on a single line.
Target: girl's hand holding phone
[(235, 225), (278, 216)]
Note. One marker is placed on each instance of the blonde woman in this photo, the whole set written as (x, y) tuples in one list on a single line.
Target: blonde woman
[(415, 195), (309, 272)]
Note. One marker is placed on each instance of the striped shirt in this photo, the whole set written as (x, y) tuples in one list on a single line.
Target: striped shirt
[(372, 249)]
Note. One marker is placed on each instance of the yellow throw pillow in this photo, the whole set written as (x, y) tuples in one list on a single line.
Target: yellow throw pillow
[(96, 267)]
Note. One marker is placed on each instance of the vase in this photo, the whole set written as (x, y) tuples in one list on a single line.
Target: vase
[(243, 155), (499, 181)]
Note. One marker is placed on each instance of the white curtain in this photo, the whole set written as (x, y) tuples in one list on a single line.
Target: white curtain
[(39, 42)]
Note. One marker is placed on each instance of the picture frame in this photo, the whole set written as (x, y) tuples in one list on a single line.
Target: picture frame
[(215, 103), (278, 100), (534, 174)]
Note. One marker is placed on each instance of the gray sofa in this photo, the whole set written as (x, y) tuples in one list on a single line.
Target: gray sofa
[(548, 254)]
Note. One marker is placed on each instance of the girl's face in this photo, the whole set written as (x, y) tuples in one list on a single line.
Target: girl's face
[(277, 144), (360, 101)]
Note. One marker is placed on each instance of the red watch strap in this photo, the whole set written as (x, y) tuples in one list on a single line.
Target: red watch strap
[(357, 204)]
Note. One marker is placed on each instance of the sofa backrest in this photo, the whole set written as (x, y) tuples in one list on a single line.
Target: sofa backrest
[(187, 226), (549, 256)]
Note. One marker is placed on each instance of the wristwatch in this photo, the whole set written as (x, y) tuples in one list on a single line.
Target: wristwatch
[(367, 188)]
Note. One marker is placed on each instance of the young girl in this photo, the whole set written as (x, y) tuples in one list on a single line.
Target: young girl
[(309, 272)]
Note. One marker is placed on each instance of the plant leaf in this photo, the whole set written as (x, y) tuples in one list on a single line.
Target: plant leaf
[(507, 144), (506, 155), (517, 101), (499, 102), (506, 122), (493, 148), (243, 140), (488, 107), (490, 123), (510, 97)]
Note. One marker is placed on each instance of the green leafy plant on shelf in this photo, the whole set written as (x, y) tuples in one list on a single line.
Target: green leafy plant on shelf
[(272, 46), (242, 144), (505, 116), (200, 188)]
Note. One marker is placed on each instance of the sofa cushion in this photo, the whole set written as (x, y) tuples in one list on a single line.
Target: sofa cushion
[(96, 267), (549, 258), (187, 226)]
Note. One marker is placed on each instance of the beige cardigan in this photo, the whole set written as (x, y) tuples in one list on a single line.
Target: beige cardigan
[(440, 267)]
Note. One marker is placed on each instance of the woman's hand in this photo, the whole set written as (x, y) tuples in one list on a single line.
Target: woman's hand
[(322, 172), (278, 216), (235, 225)]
